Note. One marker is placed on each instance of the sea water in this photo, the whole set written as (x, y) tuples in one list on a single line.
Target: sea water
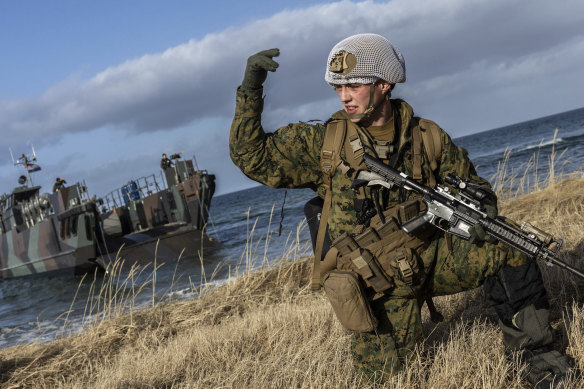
[(257, 226)]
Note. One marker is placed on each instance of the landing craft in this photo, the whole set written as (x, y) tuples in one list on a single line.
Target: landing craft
[(67, 231), (162, 219), (46, 232)]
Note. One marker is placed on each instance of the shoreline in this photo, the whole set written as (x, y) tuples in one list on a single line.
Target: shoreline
[(267, 329)]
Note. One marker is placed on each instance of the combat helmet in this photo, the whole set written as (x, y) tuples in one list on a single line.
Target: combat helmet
[(364, 59)]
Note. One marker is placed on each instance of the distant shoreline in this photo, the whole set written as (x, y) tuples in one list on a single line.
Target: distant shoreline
[(267, 329)]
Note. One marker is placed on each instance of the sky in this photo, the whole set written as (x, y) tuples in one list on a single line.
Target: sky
[(102, 89)]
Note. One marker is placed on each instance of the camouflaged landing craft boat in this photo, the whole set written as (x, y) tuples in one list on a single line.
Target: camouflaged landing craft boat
[(68, 232), (143, 221), (47, 232)]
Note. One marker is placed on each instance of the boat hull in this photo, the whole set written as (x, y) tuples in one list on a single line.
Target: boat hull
[(64, 243), (159, 244)]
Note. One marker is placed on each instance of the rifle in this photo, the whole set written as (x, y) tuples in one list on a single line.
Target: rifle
[(457, 213)]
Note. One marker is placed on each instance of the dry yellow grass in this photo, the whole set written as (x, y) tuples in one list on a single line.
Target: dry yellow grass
[(512, 181), (266, 329)]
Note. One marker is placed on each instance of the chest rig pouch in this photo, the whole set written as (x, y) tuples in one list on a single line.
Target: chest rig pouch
[(383, 254), (378, 257)]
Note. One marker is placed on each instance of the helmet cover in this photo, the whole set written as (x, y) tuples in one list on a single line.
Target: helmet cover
[(363, 59)]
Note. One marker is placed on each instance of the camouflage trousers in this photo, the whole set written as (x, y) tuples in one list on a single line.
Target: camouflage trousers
[(464, 267)]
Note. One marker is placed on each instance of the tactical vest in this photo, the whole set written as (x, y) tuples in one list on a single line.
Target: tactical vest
[(357, 251)]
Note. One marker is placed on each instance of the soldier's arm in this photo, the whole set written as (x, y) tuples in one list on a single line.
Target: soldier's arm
[(455, 160), (288, 158)]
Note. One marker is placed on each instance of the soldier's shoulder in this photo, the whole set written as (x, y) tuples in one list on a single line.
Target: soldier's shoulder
[(427, 124), (313, 122), (310, 134), (314, 126), (436, 132)]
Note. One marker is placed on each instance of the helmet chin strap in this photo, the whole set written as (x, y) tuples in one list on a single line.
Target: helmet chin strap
[(370, 107)]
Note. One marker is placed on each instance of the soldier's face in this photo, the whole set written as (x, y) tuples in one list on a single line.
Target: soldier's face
[(355, 97)]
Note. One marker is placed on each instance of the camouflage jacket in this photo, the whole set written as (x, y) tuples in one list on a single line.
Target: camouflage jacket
[(165, 163), (290, 157)]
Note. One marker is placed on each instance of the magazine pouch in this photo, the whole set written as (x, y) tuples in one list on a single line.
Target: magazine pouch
[(401, 264), (364, 263), (347, 297)]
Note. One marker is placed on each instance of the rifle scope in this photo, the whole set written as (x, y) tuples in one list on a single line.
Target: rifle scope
[(471, 189)]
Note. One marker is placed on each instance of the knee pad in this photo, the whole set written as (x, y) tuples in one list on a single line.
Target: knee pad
[(514, 288), (530, 329)]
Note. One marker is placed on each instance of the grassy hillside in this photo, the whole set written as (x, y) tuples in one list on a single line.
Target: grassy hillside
[(266, 329)]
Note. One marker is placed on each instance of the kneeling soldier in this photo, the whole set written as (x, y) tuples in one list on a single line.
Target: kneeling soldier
[(384, 273)]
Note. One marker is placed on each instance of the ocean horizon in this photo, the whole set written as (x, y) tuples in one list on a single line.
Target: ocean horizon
[(259, 224)]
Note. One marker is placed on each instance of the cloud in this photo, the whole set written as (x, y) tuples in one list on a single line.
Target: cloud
[(459, 53)]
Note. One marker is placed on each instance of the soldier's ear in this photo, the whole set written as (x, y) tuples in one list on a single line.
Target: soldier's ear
[(384, 86)]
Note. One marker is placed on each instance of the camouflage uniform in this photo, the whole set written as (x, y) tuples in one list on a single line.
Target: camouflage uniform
[(165, 163), (59, 184), (290, 158)]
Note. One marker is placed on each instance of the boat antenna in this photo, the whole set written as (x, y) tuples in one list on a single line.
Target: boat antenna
[(27, 164), (196, 164)]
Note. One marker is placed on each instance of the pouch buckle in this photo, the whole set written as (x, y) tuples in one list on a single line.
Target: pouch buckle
[(405, 269)]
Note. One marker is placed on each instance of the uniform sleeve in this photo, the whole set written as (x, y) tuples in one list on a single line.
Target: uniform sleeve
[(287, 158), (455, 160)]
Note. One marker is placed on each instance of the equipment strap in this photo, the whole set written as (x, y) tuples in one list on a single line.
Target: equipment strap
[(330, 159), (417, 153), (356, 146), (431, 139)]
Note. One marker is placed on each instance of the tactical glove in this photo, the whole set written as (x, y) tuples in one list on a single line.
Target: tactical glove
[(477, 233), (257, 68)]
